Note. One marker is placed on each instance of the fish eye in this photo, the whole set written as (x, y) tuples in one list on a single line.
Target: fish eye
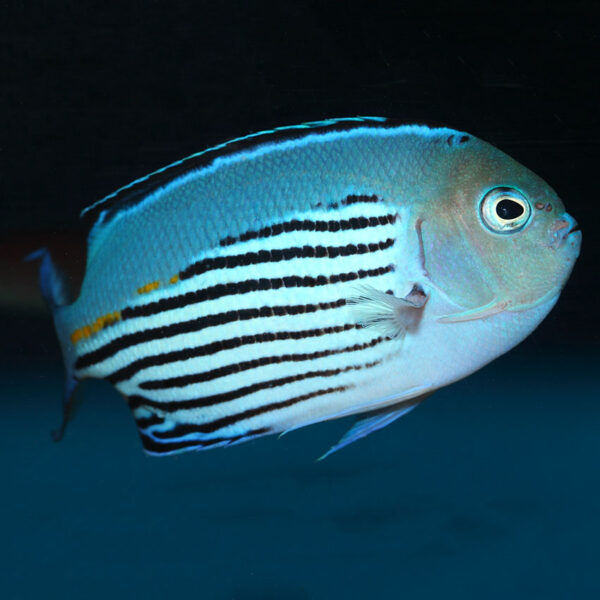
[(505, 210)]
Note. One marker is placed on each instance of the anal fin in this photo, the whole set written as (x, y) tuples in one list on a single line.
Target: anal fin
[(161, 436)]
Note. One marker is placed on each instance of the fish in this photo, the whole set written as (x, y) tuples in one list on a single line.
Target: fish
[(341, 267)]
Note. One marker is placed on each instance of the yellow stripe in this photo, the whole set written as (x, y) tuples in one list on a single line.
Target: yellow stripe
[(100, 323), (149, 287), (108, 319)]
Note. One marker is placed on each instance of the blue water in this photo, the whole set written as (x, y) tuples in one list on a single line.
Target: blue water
[(488, 490)]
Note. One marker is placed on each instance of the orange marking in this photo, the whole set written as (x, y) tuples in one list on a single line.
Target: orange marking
[(109, 318), (149, 287), (100, 323)]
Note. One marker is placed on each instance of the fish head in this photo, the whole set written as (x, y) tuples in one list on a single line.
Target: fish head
[(495, 236)]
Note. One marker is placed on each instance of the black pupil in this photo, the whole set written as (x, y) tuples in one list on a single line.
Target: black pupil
[(509, 210)]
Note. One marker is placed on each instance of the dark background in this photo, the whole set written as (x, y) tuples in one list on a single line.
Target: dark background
[(487, 491), (95, 95)]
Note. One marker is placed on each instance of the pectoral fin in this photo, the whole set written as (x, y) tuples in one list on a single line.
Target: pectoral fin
[(378, 420), (391, 315), (481, 312)]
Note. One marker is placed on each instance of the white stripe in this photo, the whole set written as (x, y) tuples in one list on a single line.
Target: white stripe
[(322, 266), (262, 373), (259, 375), (303, 409), (287, 240), (316, 320), (312, 267), (330, 341), (280, 297), (323, 238)]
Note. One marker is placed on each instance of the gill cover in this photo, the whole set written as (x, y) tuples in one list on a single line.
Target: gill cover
[(486, 230)]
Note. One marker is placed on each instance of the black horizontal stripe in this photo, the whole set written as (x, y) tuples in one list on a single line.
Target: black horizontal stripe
[(192, 378), (308, 225), (174, 405), (217, 424), (164, 358), (164, 331), (245, 287), (359, 199), (163, 447), (189, 428), (145, 422), (271, 256)]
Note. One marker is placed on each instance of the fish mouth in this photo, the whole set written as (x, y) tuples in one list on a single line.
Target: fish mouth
[(562, 229), (574, 229), (573, 239)]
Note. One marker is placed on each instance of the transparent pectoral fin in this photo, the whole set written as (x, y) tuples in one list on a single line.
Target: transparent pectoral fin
[(389, 314)]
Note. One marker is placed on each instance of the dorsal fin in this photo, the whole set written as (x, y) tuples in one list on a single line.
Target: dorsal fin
[(103, 210)]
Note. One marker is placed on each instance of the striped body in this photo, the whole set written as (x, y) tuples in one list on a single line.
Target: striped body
[(221, 293), (257, 331)]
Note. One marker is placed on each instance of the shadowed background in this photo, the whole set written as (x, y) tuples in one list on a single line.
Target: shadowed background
[(487, 490)]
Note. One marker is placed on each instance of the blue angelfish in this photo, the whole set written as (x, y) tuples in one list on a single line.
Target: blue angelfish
[(349, 266)]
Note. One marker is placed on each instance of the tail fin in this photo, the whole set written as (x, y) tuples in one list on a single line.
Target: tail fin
[(57, 293)]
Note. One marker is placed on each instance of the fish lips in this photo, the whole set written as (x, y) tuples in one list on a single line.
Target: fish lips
[(565, 230)]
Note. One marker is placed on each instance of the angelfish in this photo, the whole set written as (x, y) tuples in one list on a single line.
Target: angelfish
[(348, 266)]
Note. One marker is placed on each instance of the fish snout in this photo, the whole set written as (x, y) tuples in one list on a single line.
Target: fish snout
[(563, 229)]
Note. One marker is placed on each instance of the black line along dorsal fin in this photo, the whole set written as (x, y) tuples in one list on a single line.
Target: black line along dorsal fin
[(103, 210)]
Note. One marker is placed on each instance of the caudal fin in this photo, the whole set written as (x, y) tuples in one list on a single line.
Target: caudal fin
[(57, 293)]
